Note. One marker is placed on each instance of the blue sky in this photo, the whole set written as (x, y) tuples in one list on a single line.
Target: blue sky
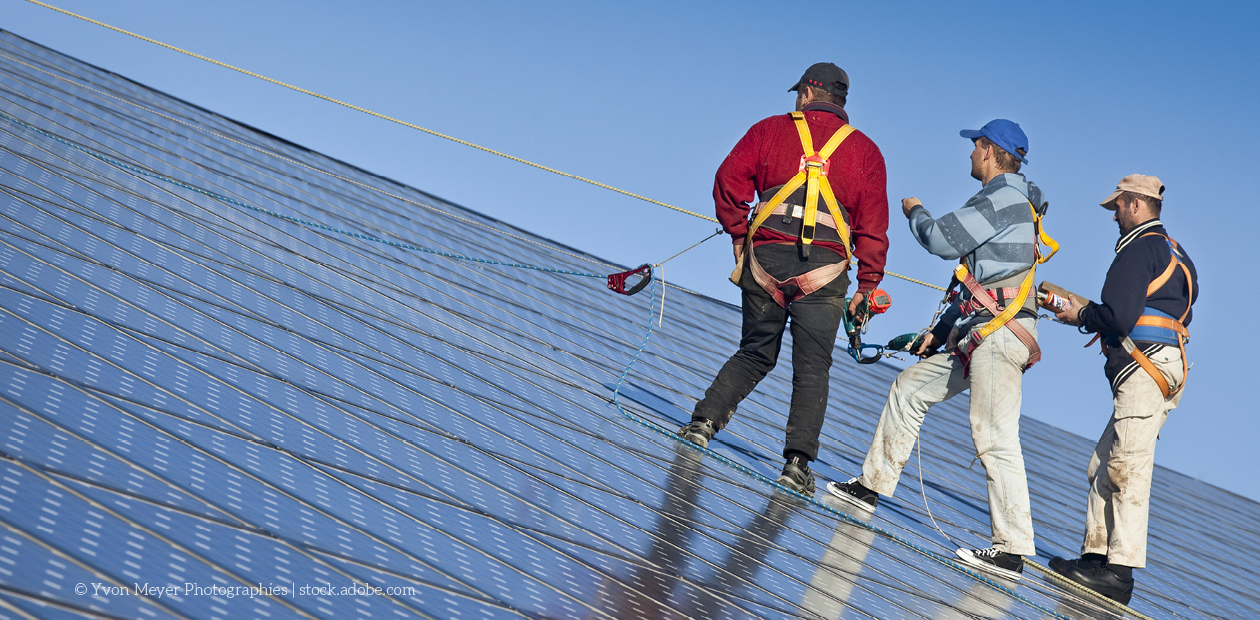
[(651, 96)]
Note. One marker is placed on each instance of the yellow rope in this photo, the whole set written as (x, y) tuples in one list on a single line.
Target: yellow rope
[(1095, 596), (411, 125), (909, 279), (376, 114)]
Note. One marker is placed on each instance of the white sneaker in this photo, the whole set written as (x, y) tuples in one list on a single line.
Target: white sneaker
[(854, 494), (1005, 565)]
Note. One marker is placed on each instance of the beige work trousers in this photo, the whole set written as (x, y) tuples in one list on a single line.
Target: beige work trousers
[(996, 381), (1120, 470)]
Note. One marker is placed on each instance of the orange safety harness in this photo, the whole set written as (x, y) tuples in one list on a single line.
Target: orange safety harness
[(1176, 325), (813, 175)]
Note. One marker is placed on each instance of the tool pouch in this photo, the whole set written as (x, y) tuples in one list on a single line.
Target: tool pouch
[(739, 264)]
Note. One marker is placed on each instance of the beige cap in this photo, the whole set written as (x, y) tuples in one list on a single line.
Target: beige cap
[(1138, 184)]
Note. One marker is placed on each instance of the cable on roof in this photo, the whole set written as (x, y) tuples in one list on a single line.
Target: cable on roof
[(412, 125)]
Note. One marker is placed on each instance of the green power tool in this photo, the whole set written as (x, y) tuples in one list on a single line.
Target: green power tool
[(905, 342), (876, 302)]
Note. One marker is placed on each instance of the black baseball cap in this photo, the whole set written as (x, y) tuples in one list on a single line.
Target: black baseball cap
[(827, 76)]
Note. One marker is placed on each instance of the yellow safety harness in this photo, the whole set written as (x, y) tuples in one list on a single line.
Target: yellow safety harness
[(813, 175), (1002, 316)]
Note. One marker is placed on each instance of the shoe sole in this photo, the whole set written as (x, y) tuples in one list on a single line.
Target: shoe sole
[(853, 501), (970, 560), (699, 440), (790, 485)]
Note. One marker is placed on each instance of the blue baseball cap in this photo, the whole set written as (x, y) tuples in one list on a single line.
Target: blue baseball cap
[(1003, 133)]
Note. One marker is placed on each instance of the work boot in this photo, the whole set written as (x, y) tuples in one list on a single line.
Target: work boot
[(1000, 563), (1087, 561), (1101, 578), (699, 431), (797, 476), (853, 493)]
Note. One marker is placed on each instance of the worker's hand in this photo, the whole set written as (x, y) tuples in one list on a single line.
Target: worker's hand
[(909, 203), (928, 346), (739, 252), (1072, 315), (853, 306)]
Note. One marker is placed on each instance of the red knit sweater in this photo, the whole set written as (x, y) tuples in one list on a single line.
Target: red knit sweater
[(769, 155)]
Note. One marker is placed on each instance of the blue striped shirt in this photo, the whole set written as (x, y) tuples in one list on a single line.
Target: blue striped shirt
[(993, 230)]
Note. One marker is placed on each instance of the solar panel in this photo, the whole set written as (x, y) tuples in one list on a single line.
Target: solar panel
[(207, 410)]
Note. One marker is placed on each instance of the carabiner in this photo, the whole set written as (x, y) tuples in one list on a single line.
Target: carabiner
[(617, 281), (860, 352)]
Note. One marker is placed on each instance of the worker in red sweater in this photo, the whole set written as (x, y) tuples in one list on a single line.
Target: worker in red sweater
[(822, 197)]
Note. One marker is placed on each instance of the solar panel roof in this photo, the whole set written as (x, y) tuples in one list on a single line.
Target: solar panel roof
[(241, 379)]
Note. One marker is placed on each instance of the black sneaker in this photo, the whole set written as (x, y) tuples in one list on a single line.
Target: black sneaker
[(699, 432), (855, 494), (994, 562), (797, 476), (1100, 579)]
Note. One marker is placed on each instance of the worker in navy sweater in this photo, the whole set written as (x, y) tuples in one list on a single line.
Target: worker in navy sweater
[(823, 198), (1143, 317), (987, 348)]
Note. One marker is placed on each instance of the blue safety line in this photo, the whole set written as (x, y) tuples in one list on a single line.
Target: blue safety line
[(288, 218), (765, 479), (616, 391)]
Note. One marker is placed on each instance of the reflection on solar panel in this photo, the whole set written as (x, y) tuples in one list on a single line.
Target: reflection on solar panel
[(207, 411)]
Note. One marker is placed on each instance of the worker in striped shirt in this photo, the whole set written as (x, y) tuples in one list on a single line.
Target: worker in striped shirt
[(994, 234)]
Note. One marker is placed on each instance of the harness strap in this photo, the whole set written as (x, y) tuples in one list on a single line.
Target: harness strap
[(813, 175), (1176, 325), (1164, 322), (1149, 366), (1003, 316), (798, 211), (805, 284), (1004, 296), (1000, 317), (815, 166)]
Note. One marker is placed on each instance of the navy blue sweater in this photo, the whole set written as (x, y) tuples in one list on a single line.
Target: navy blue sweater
[(1139, 260)]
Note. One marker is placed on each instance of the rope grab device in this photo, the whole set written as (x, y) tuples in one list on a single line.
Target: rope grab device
[(617, 281)]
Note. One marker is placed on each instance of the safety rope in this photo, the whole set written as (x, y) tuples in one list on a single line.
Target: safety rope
[(411, 125), (220, 197), (369, 112)]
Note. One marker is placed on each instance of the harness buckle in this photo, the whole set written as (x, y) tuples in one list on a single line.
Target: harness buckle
[(815, 161), (617, 281)]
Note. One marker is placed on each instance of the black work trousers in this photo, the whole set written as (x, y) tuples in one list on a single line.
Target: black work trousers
[(815, 320)]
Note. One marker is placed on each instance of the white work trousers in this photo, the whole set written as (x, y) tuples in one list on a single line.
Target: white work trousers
[(995, 381), (1120, 469)]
